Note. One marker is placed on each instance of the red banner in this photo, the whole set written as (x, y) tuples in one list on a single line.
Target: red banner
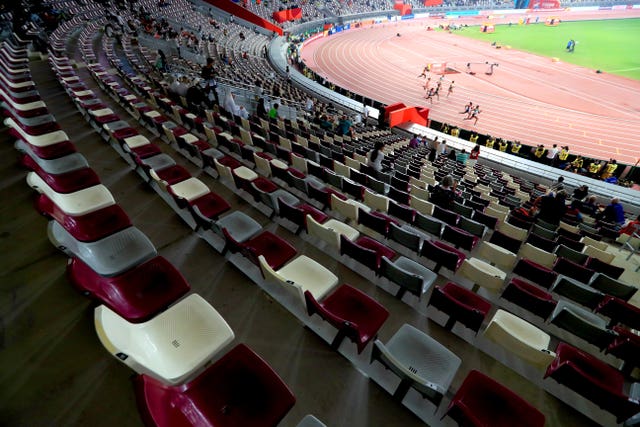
[(288, 15), (432, 2), (404, 9)]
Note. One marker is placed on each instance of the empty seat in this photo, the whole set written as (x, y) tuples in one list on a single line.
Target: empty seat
[(626, 347), (406, 236), (366, 251), (620, 311), (108, 256), (275, 249), (602, 267), (300, 275), (496, 255), (482, 274), (330, 231), (573, 270), (445, 216), (481, 401), (461, 305), (442, 254), (535, 272), (78, 203), (421, 362), (356, 315), (600, 254), (135, 295), (171, 346), (488, 220), (542, 257), (512, 231), (570, 254), (521, 338), (529, 297), (89, 227), (240, 389), (570, 243), (594, 380), (473, 227), (408, 275), (298, 213), (613, 287), (582, 323), (429, 225), (459, 238), (576, 291), (541, 242), (505, 241)]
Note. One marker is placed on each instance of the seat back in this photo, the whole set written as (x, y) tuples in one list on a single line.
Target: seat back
[(429, 225), (471, 226), (405, 237), (400, 277), (542, 257), (347, 209), (507, 242), (612, 286), (323, 233), (376, 201)]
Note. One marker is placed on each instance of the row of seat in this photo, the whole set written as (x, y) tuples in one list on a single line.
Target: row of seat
[(110, 255)]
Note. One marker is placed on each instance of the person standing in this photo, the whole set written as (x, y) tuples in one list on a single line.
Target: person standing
[(473, 156), (551, 154), (376, 156)]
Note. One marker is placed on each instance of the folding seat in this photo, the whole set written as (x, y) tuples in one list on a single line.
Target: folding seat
[(137, 294), (186, 191), (541, 243), (603, 267), (402, 212), (529, 297), (170, 175), (574, 270), (570, 254), (445, 216), (407, 236), (521, 338), (421, 363), (366, 251), (336, 181), (594, 380), (169, 354), (276, 250), (544, 258), (66, 174), (482, 274), (488, 220), (595, 252), (547, 225), (620, 312), (577, 292), (459, 238), (509, 243), (331, 231), (240, 389), (569, 243), (356, 315), (582, 323), (473, 227), (429, 225), (298, 213), (420, 193), (564, 226), (300, 275), (238, 225), (512, 231), (442, 254), (463, 211), (496, 255), (109, 256), (408, 275), (519, 222), (347, 207), (322, 194), (78, 203), (611, 286), (355, 190), (480, 400), (377, 185), (535, 272), (398, 196), (626, 347), (376, 201)]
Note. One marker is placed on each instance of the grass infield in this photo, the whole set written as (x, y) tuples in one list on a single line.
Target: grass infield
[(607, 45)]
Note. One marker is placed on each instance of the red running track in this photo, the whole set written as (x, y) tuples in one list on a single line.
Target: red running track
[(528, 98)]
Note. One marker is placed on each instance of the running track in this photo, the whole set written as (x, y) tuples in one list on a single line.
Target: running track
[(528, 98)]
